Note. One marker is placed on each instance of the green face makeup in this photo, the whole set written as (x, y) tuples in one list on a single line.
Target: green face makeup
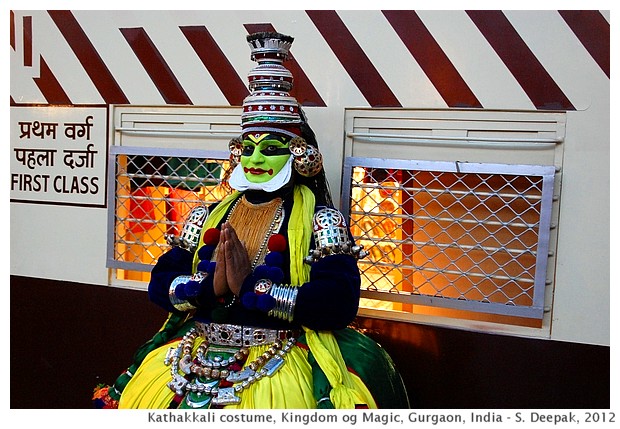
[(263, 156)]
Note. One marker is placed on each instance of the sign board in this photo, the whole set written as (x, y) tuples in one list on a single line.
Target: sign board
[(58, 155)]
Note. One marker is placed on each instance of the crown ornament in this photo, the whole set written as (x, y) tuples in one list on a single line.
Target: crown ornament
[(267, 46), (270, 108)]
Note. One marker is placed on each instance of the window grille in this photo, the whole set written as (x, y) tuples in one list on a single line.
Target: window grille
[(152, 191), (460, 236)]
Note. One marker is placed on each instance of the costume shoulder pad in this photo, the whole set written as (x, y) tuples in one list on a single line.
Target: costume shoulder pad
[(190, 234), (331, 236)]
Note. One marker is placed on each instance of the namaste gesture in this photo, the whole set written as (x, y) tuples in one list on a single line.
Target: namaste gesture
[(232, 264)]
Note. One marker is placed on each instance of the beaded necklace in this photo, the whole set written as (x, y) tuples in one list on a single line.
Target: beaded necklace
[(209, 381)]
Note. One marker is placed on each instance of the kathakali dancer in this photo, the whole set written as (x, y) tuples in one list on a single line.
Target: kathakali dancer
[(261, 287)]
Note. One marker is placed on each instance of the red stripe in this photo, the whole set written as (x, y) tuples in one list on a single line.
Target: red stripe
[(303, 90), (353, 58), (88, 57), (155, 65), (225, 76), (50, 87), (257, 28), (431, 58), (525, 67), (12, 30), (27, 34), (592, 30)]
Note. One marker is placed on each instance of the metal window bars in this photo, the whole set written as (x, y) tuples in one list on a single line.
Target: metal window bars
[(152, 191), (464, 236)]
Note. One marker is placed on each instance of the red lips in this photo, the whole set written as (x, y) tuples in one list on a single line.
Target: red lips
[(257, 171)]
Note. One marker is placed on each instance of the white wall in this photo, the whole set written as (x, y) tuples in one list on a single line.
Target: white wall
[(581, 308), (59, 242)]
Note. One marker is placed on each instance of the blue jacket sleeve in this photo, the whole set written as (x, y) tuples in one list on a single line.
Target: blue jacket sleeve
[(176, 262), (330, 299)]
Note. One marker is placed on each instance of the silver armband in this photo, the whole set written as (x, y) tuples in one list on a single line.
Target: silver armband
[(285, 296), (190, 234), (182, 304), (331, 236)]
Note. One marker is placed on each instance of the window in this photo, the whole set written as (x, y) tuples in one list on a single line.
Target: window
[(459, 236), (451, 239), (154, 192), (163, 162)]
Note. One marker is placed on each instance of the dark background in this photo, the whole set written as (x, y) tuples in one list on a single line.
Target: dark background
[(68, 337)]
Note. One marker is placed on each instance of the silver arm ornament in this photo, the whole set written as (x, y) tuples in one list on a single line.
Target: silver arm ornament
[(285, 297), (188, 239), (178, 303), (331, 236), (190, 234)]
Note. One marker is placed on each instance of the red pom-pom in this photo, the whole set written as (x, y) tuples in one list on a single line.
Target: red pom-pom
[(211, 237), (276, 243)]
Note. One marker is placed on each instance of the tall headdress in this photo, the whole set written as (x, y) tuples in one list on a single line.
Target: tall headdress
[(270, 108)]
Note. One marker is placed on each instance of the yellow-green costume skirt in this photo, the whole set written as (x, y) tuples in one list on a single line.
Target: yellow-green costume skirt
[(292, 386)]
